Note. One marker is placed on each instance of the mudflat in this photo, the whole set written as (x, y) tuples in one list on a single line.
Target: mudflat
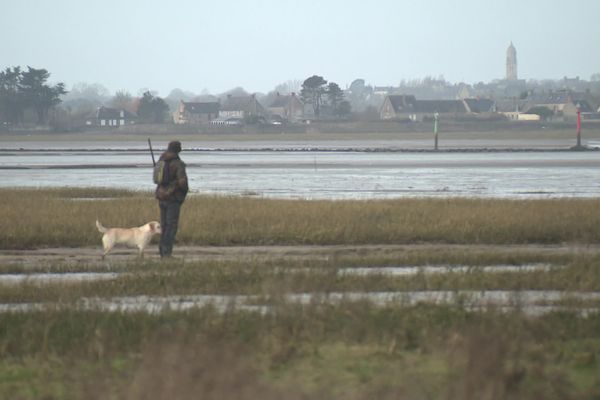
[(91, 256), (539, 137)]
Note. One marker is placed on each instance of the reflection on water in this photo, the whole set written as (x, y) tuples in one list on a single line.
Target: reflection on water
[(323, 175), (49, 278), (456, 269), (527, 301), (77, 277), (533, 302)]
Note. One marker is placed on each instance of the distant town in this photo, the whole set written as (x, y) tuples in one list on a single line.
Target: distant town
[(28, 102)]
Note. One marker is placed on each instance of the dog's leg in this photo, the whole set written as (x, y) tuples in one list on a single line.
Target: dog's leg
[(107, 244)]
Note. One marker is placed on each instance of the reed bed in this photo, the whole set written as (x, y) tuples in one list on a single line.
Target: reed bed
[(333, 258), (351, 351), (320, 350), (272, 279), (63, 217)]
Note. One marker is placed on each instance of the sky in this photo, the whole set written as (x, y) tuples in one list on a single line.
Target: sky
[(217, 45)]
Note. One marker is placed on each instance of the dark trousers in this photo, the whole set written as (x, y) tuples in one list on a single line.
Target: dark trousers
[(169, 220)]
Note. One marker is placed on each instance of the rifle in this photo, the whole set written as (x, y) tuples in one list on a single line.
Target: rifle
[(151, 152)]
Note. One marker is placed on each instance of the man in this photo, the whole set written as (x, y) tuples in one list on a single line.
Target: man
[(171, 195)]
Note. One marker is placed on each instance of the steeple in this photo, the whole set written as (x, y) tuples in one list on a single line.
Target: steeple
[(511, 63)]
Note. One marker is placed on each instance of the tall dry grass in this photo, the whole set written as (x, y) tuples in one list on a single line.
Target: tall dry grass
[(317, 351), (32, 218), (275, 279)]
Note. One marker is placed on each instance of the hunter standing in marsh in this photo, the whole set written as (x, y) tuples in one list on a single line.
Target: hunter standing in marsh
[(171, 189)]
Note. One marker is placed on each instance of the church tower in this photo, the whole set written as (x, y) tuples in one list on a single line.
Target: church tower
[(511, 63)]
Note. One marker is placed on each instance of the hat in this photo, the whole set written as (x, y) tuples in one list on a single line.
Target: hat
[(174, 146)]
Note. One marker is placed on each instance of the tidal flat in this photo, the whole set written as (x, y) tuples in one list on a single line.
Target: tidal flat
[(511, 162)]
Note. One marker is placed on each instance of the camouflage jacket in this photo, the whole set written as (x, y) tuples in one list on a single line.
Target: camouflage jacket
[(177, 188)]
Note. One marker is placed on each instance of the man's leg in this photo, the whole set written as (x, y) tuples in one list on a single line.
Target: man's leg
[(171, 223), (163, 224)]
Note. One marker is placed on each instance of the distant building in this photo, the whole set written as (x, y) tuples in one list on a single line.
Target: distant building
[(407, 107), (479, 106), (111, 118), (241, 107), (521, 116), (426, 109), (395, 105), (565, 104), (464, 91), (573, 107), (288, 107), (196, 113), (511, 63), (514, 109)]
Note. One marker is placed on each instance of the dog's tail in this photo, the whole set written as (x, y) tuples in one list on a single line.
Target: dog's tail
[(100, 227)]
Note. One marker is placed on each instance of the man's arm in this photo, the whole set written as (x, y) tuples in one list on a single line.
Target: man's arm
[(181, 178)]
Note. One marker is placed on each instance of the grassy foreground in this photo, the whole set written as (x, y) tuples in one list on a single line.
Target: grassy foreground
[(65, 217), (351, 350)]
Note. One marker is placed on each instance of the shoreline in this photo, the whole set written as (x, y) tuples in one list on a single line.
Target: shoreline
[(91, 255), (312, 149)]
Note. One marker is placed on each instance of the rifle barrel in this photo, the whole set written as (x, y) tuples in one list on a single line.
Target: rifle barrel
[(151, 152)]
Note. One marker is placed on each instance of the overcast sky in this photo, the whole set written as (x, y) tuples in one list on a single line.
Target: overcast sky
[(219, 44)]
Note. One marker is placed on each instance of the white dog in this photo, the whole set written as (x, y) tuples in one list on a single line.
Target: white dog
[(134, 237)]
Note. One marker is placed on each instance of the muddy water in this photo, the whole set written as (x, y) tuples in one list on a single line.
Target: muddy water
[(322, 174), (444, 269), (50, 278), (78, 277), (529, 302)]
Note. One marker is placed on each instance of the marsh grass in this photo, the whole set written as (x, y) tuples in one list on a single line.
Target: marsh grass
[(320, 350), (352, 350), (571, 273), (51, 217), (334, 259), (271, 278)]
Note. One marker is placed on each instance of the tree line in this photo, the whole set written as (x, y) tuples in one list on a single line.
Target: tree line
[(21, 90), (26, 95)]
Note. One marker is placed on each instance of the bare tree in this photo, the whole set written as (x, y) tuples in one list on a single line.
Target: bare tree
[(123, 100)]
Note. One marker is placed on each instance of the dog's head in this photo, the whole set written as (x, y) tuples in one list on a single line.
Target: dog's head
[(155, 227)]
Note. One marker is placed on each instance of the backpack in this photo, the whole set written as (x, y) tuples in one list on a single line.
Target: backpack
[(161, 172)]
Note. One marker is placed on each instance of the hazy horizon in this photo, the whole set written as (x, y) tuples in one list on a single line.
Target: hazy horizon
[(215, 46)]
